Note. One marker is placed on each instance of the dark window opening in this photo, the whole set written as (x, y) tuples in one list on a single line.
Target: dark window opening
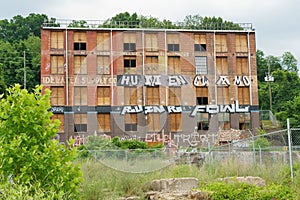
[(200, 47), (129, 47), (202, 100), (129, 63), (203, 126), (80, 127), (130, 127), (79, 46), (173, 47)]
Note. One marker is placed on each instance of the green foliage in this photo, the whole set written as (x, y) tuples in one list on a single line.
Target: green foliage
[(261, 142), (236, 191), (28, 153)]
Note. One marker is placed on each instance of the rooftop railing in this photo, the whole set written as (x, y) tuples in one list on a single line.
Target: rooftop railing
[(109, 24)]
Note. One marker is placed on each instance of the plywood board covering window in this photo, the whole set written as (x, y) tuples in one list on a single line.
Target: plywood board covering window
[(174, 65), (244, 121), (80, 66), (103, 41), (202, 95), (175, 122), (223, 95), (103, 122), (153, 121), (152, 96), (80, 96), (131, 122), (57, 40), (60, 117), (174, 96), (129, 64), (57, 96), (242, 66), (173, 42), (244, 95), (132, 95), (57, 64), (241, 43), (221, 43), (222, 66), (129, 42), (151, 65), (103, 95), (103, 65), (151, 42), (79, 41), (200, 42), (80, 122)]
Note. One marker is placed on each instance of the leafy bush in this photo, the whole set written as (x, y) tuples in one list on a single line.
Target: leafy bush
[(241, 191), (28, 154)]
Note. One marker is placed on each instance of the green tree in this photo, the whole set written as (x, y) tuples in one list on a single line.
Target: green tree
[(28, 152), (289, 62)]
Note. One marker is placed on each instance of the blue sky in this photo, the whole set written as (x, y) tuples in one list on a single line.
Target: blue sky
[(275, 21)]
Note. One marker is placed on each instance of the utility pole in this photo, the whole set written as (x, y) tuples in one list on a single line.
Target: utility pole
[(269, 78), (24, 69)]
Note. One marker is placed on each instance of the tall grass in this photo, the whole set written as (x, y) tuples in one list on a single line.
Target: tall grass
[(102, 182)]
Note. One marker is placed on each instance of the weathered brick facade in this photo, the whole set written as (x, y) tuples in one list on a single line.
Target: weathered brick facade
[(138, 82)]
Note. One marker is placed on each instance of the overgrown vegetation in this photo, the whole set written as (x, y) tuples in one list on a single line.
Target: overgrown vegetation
[(102, 182), (29, 157)]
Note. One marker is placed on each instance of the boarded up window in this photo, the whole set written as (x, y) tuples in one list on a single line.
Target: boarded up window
[(203, 121), (80, 96), (80, 65), (175, 122), (200, 42), (174, 65), (151, 42), (224, 121), (129, 64), (152, 96), (103, 41), (80, 123), (202, 95), (132, 95), (221, 43), (174, 96), (103, 65), (222, 66), (241, 43), (223, 95), (201, 64), (151, 65), (131, 122), (79, 41), (243, 95), (57, 40), (103, 95), (57, 96), (242, 66), (103, 122), (57, 65), (60, 117), (129, 42), (153, 121), (244, 121), (173, 42)]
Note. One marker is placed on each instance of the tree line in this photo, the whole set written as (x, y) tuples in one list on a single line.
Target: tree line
[(20, 49)]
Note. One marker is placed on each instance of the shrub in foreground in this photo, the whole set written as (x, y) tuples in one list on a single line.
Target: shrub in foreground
[(29, 157)]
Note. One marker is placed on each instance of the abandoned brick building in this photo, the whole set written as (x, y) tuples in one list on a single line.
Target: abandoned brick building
[(135, 82)]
